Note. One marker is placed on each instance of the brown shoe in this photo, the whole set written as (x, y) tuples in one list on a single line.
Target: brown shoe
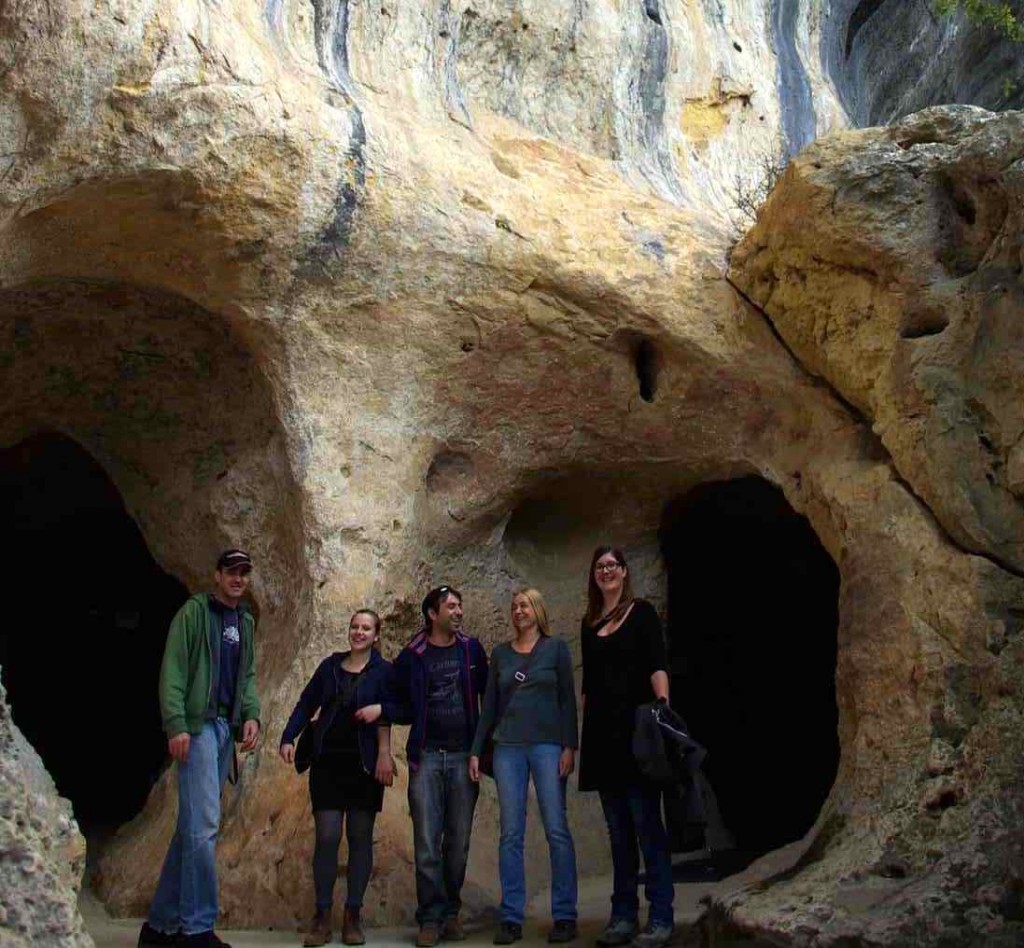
[(428, 936), (351, 929), (320, 932), (453, 929)]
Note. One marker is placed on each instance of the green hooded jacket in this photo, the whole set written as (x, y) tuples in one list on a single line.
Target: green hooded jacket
[(191, 666)]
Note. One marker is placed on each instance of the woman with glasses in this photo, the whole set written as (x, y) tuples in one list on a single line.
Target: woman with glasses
[(623, 667), (351, 766), (529, 710)]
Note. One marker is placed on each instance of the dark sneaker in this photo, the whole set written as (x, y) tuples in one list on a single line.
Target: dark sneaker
[(150, 937), (453, 929), (563, 930), (202, 940), (620, 931), (507, 933), (429, 935), (655, 935)]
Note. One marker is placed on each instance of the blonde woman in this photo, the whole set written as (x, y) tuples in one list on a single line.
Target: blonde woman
[(529, 710)]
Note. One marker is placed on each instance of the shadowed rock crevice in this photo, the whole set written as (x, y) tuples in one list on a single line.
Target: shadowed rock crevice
[(331, 26)]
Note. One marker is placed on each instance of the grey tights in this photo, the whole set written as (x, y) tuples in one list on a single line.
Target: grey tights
[(325, 855)]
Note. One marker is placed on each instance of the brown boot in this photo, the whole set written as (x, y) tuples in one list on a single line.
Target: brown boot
[(351, 930), (428, 936), (453, 929), (320, 932)]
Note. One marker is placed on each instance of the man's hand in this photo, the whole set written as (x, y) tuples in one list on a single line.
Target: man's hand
[(566, 762), (250, 735), (178, 746), (474, 769), (287, 752), (369, 713), (385, 772)]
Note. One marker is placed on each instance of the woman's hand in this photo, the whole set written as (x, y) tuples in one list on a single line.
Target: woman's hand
[(287, 752), (385, 772), (368, 714), (474, 769), (567, 762)]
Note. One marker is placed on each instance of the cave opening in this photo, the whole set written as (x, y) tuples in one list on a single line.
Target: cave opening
[(752, 599), (88, 611)]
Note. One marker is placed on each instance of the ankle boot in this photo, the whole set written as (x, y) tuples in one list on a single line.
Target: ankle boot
[(351, 929), (320, 931)]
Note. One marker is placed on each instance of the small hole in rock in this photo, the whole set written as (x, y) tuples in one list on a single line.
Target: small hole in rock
[(645, 362), (737, 47)]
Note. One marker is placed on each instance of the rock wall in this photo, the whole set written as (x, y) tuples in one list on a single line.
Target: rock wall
[(888, 58), (42, 854), (427, 243), (889, 262)]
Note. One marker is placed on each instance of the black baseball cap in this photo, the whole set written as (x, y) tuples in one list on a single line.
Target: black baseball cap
[(231, 558)]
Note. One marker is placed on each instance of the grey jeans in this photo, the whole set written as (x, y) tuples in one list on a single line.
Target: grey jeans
[(442, 799)]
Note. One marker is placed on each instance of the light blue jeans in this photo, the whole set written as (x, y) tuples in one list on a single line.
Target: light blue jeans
[(513, 766), (186, 896)]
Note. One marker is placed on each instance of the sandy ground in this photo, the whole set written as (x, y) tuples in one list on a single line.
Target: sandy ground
[(593, 906)]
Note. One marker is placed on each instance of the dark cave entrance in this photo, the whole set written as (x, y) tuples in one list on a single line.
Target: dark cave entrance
[(752, 622), (88, 611)]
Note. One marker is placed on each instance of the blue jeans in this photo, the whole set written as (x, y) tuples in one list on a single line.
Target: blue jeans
[(186, 896), (442, 799), (513, 766), (633, 814)]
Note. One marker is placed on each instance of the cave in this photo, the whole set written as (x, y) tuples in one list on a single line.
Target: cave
[(81, 646), (752, 615)]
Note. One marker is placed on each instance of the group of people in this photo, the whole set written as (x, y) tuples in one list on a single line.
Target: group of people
[(513, 717)]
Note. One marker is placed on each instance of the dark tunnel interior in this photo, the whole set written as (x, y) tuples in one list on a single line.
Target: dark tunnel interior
[(81, 647), (752, 622)]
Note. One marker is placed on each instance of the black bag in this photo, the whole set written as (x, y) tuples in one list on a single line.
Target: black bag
[(487, 754), (304, 749)]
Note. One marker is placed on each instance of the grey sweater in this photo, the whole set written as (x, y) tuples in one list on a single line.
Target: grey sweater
[(543, 708)]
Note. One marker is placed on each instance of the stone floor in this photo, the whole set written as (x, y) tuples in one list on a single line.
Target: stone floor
[(122, 933)]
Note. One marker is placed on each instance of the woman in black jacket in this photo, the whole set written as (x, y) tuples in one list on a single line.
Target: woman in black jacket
[(351, 766), (624, 667)]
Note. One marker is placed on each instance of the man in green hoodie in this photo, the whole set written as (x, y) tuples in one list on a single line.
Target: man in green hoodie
[(208, 700)]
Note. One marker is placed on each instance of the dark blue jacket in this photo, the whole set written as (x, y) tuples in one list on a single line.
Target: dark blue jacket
[(372, 687), (407, 697)]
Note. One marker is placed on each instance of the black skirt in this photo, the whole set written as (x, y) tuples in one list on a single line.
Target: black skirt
[(338, 782)]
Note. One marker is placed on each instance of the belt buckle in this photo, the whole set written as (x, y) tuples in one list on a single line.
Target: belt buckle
[(520, 677)]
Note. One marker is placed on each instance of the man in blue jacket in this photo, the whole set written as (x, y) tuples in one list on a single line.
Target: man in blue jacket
[(439, 679)]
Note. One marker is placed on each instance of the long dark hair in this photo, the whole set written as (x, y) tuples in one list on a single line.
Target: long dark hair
[(595, 598)]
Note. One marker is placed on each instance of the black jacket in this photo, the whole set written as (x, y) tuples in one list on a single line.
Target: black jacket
[(662, 746), (371, 688)]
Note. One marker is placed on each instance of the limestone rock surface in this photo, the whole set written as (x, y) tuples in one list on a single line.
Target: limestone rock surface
[(889, 262), (463, 267), (42, 854)]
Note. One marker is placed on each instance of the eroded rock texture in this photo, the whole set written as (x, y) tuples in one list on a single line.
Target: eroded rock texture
[(889, 262), (42, 854), (461, 269)]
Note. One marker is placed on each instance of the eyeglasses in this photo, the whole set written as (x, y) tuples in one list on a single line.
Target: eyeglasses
[(607, 567)]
